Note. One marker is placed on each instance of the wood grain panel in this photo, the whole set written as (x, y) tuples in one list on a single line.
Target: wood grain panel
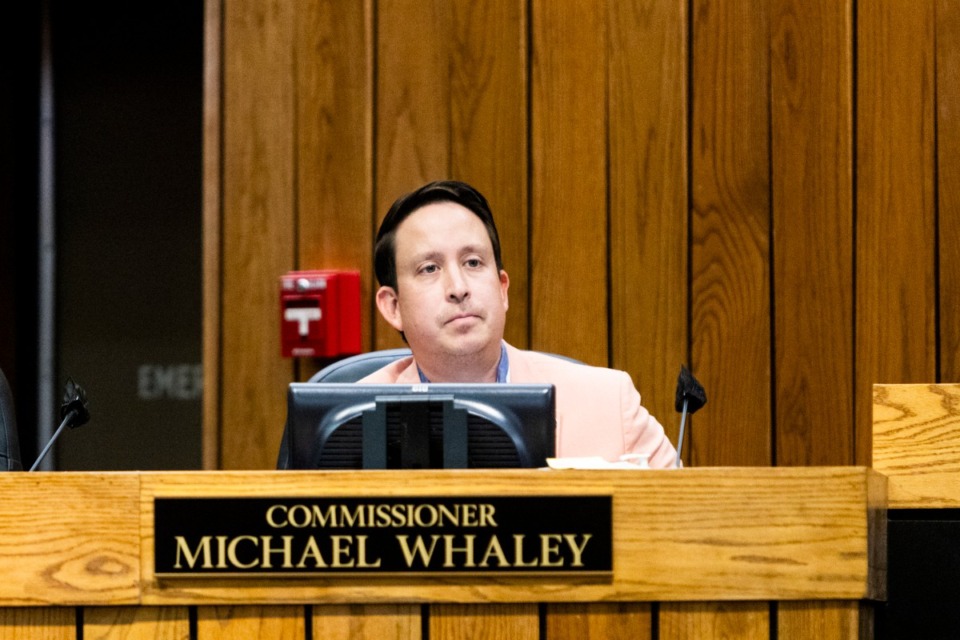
[(627, 621), (916, 443), (212, 214), (648, 198), (948, 184), (412, 140), (136, 623), (822, 620), (446, 95), (568, 282), (48, 623), (759, 560), (367, 622), (730, 285), (488, 122), (812, 168), (481, 621), (33, 623), (895, 295), (334, 129), (726, 621), (700, 534), (67, 537), (258, 227), (250, 622)]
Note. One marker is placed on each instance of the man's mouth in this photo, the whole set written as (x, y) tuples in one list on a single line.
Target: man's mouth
[(461, 316)]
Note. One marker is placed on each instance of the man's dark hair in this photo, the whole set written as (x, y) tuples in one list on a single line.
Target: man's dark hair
[(385, 254)]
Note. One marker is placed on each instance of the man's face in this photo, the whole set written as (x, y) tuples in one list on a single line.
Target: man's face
[(450, 299)]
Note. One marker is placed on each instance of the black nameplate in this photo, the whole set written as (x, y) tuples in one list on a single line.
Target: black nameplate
[(475, 535)]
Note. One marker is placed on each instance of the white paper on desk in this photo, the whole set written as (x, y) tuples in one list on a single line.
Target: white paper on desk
[(593, 462)]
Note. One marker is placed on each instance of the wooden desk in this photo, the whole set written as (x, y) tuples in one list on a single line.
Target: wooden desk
[(697, 550), (916, 443)]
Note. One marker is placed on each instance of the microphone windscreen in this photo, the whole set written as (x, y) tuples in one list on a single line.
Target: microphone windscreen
[(690, 390), (75, 399)]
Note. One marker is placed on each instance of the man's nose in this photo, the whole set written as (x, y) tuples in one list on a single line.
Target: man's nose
[(457, 289)]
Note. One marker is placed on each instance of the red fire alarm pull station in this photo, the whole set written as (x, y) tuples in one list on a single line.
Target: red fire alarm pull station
[(320, 313)]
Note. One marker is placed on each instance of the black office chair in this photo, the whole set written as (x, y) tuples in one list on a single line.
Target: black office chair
[(9, 441), (358, 367)]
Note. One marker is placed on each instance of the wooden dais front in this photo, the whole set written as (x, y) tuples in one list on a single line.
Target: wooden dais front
[(696, 553)]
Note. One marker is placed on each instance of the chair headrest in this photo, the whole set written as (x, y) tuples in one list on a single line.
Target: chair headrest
[(9, 439), (358, 367)]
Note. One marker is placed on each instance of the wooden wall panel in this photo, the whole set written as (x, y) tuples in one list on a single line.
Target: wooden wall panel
[(234, 623), (568, 285), (674, 181), (729, 620), (32, 623), (367, 622), (412, 106), (334, 177), (730, 286), (824, 620), (648, 198), (258, 228), (136, 623), (488, 123), (620, 621), (896, 235), (451, 103), (948, 184), (480, 621), (812, 169)]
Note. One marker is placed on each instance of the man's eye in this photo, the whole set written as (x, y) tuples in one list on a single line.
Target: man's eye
[(474, 263), (430, 268)]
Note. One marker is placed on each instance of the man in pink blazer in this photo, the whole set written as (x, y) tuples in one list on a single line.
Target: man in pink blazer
[(443, 287)]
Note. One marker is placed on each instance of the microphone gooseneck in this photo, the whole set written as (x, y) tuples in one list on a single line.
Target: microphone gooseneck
[(683, 420), (74, 411), (56, 434)]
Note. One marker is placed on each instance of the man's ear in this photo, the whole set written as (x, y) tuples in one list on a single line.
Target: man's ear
[(504, 285), (389, 306)]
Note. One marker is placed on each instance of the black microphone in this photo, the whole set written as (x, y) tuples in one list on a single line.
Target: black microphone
[(74, 411), (690, 397)]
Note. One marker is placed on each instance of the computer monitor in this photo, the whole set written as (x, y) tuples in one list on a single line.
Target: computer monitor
[(421, 426)]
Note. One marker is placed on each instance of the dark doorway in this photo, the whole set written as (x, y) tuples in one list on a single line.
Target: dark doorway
[(128, 88)]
